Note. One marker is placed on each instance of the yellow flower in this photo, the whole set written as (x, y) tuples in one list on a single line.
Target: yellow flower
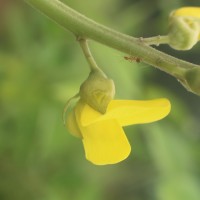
[(103, 137), (184, 28)]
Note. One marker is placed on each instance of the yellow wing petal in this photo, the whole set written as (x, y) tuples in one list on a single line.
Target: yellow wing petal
[(105, 142), (128, 112), (138, 112)]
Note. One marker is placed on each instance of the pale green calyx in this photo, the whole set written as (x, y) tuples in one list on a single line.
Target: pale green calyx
[(183, 32), (97, 91)]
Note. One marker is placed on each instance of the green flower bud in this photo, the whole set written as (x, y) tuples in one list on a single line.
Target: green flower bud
[(183, 32), (97, 91), (192, 80)]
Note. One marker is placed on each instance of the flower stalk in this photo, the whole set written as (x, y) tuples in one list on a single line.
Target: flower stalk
[(84, 27), (97, 90), (88, 55), (156, 40)]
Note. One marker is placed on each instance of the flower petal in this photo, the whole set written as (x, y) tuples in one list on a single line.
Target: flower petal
[(139, 112), (128, 112), (89, 115), (72, 125), (187, 11), (105, 142)]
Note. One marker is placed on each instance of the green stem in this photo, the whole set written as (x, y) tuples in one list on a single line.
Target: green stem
[(84, 27), (157, 40), (88, 55)]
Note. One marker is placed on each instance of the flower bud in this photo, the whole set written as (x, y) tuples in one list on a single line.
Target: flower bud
[(192, 80), (97, 91), (183, 32)]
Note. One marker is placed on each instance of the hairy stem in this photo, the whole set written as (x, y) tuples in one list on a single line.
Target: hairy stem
[(84, 27)]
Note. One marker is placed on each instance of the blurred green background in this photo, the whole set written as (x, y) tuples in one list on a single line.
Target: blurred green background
[(41, 66)]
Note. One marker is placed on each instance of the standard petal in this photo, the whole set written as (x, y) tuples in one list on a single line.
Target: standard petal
[(128, 112), (105, 142), (87, 115)]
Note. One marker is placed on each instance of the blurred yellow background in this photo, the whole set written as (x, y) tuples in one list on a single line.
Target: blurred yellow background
[(41, 66)]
